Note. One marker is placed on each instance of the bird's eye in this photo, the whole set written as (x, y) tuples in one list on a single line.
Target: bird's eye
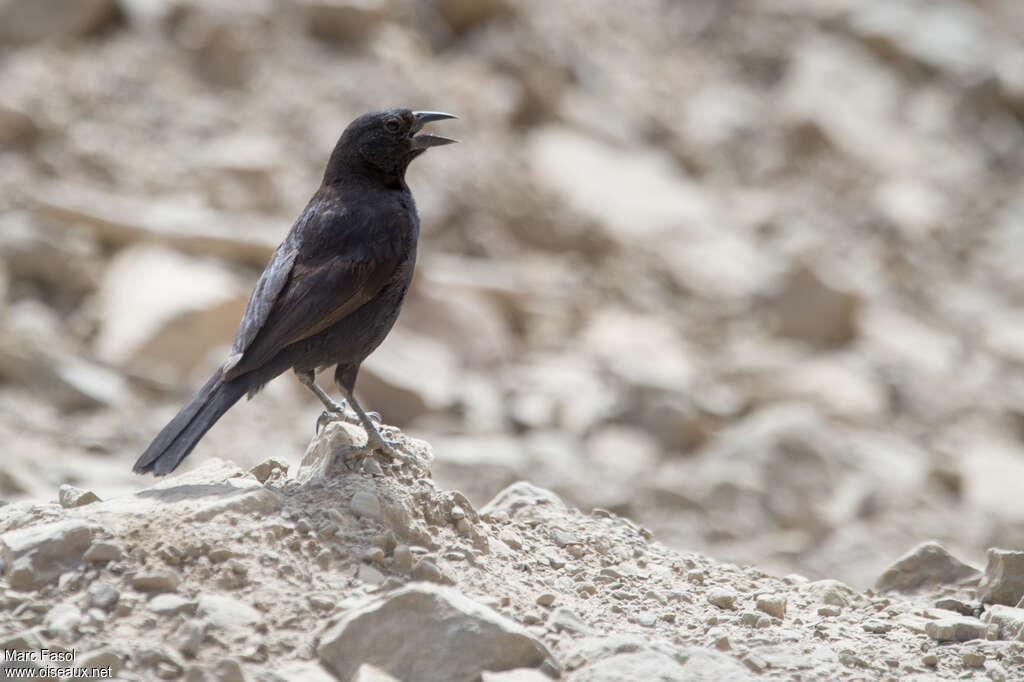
[(392, 125)]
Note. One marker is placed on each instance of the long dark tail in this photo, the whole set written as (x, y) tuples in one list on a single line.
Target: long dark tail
[(177, 439)]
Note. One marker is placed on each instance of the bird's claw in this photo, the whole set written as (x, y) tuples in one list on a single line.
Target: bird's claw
[(328, 416), (350, 454)]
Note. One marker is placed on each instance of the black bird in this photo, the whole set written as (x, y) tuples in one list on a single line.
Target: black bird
[(332, 290)]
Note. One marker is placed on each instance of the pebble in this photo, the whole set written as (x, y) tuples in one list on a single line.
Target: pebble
[(973, 659), (265, 469), (374, 555), (104, 658), (877, 627), (160, 580), (1004, 578), (956, 629), (719, 639), (365, 503), (426, 569), (829, 611), (565, 620), (321, 601), (171, 604), (103, 551), (403, 558), (220, 553), (722, 598), (511, 539), (773, 605), (103, 595), (70, 496), (546, 599)]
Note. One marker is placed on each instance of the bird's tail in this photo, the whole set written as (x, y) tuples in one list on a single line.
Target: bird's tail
[(177, 439)]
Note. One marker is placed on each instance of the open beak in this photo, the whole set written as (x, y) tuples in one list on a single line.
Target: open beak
[(425, 140)]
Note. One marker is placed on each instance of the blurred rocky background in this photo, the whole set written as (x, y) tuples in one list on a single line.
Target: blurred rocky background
[(750, 272)]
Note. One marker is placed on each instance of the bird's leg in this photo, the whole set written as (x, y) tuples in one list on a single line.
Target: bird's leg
[(375, 442), (334, 411)]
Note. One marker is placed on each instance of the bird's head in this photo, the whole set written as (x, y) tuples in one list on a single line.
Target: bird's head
[(382, 143)]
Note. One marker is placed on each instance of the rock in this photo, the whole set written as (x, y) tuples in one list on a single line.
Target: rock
[(62, 619), (425, 569), (104, 658), (473, 638), (265, 469), (171, 605), (955, 629), (927, 565), (966, 608), (165, 662), (228, 670), (318, 460), (237, 172), (17, 128), (103, 595), (832, 592), (807, 309), (522, 500), (1003, 582), (37, 555), (122, 221), (158, 580), (365, 503), (402, 556), (1010, 79), (100, 552), (71, 496), (162, 313), (71, 383), (706, 664), (836, 95), (914, 208), (305, 671), (232, 616), (645, 666), (773, 605), (371, 673), (213, 488), (876, 627), (66, 267), (409, 376), (641, 351), (952, 38), (24, 21), (462, 15), (722, 598), (344, 21), (633, 194), (1008, 619), (221, 47), (517, 675), (565, 619), (973, 659)]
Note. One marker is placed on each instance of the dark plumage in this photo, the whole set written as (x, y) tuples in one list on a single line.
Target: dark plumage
[(332, 290)]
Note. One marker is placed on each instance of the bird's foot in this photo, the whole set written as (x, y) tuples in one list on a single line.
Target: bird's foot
[(339, 415), (352, 454)]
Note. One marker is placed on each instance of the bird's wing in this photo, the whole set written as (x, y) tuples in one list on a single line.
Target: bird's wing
[(304, 291), (268, 287)]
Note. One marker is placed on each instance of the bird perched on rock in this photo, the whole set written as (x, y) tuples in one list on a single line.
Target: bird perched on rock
[(332, 290)]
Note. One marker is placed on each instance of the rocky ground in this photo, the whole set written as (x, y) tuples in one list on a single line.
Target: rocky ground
[(319, 574), (744, 271)]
